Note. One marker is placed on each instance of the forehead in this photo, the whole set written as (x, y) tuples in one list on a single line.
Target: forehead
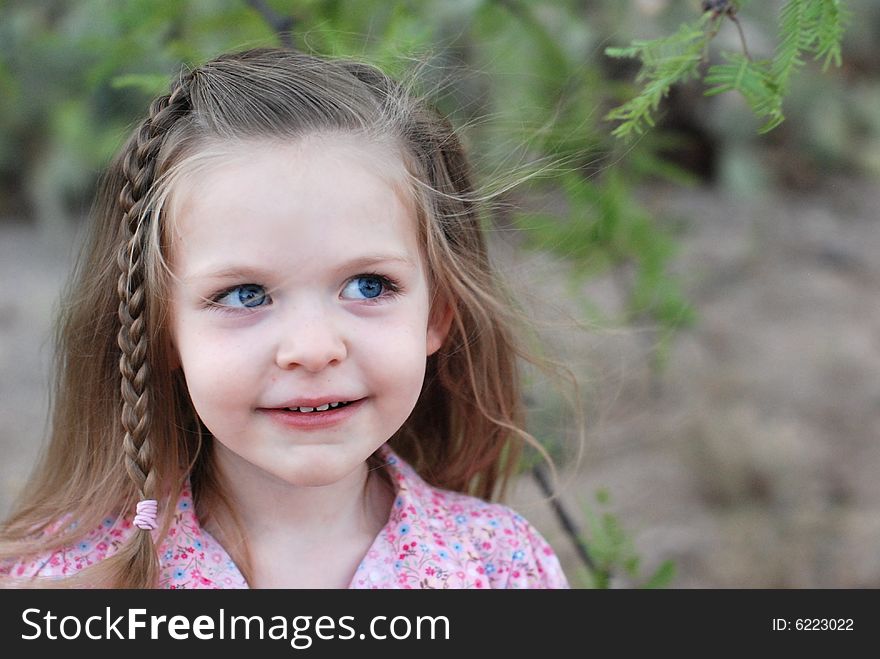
[(308, 200)]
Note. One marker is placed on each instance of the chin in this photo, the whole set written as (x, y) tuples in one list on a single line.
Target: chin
[(323, 470), (311, 479)]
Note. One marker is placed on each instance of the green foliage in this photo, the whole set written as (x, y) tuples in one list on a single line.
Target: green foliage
[(665, 62), (614, 554), (806, 27), (606, 229), (542, 92), (754, 80)]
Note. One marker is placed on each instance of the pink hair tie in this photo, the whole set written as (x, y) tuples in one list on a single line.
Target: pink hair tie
[(146, 514)]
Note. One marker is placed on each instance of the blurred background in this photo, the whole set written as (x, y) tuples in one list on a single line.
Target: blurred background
[(714, 290)]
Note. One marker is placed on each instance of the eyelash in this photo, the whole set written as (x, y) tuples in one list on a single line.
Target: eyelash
[(391, 289)]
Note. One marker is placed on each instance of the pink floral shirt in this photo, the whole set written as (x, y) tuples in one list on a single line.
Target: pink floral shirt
[(433, 539)]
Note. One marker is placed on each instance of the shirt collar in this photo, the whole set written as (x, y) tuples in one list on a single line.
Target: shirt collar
[(190, 557)]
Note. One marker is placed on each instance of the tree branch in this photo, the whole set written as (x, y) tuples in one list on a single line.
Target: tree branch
[(565, 519)]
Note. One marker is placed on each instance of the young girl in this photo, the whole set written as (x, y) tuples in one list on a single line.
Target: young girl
[(284, 360)]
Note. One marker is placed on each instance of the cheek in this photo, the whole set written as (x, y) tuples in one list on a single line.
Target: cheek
[(217, 369), (397, 361)]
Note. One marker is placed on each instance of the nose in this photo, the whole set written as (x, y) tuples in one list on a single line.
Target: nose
[(311, 341)]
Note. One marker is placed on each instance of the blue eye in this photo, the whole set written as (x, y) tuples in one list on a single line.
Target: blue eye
[(247, 296), (367, 287)]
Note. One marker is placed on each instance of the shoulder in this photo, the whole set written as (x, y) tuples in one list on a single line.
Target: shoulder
[(512, 553), (91, 548), (444, 539)]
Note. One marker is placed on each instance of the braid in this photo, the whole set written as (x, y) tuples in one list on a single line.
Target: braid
[(139, 172)]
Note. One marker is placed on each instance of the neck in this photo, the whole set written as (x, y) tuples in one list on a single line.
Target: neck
[(273, 510)]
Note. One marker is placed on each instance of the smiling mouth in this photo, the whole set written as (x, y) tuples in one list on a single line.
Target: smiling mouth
[(323, 416)]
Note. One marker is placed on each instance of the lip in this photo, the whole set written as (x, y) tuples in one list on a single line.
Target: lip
[(312, 420)]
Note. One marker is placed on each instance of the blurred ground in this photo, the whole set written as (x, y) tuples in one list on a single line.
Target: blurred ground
[(751, 461)]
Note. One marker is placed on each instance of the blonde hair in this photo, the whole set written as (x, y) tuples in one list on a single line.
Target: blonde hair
[(113, 349)]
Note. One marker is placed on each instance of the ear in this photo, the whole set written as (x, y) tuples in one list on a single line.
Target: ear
[(173, 359), (439, 323), (172, 356)]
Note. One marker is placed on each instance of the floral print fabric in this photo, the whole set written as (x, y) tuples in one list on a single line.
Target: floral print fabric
[(433, 539)]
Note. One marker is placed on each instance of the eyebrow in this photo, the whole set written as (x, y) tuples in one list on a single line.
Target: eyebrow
[(249, 272), (376, 259)]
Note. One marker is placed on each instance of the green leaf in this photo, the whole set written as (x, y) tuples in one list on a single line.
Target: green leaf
[(662, 576)]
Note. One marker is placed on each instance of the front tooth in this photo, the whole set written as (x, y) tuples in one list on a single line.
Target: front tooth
[(323, 407), (306, 409)]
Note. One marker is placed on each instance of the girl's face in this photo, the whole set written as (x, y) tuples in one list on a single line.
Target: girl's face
[(299, 283)]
